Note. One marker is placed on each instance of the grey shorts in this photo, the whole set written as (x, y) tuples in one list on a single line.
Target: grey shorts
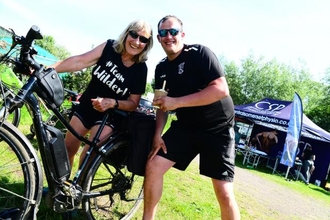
[(216, 147)]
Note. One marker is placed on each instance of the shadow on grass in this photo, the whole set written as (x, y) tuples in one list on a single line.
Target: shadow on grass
[(321, 190)]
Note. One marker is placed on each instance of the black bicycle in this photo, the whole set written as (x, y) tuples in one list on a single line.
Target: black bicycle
[(66, 111), (102, 188), (8, 91)]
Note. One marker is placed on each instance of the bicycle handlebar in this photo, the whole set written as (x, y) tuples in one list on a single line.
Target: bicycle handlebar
[(25, 61)]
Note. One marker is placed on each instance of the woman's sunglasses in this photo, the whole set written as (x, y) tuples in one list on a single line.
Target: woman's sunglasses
[(172, 31), (134, 35)]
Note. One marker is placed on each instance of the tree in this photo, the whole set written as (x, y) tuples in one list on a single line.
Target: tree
[(258, 78), (320, 109), (149, 89), (235, 82), (49, 44), (77, 81)]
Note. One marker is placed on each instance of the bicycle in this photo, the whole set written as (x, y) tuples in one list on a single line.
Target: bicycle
[(8, 92), (66, 110), (102, 187)]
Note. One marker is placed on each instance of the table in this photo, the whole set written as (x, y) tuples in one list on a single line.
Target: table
[(298, 164), (251, 156)]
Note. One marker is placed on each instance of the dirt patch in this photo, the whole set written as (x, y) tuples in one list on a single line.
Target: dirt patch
[(274, 200)]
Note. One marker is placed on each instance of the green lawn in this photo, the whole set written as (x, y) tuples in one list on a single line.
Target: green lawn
[(188, 195)]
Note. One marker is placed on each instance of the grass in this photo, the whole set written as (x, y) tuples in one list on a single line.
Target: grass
[(188, 195)]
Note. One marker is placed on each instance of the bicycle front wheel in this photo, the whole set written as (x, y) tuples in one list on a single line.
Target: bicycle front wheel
[(15, 116), (114, 192), (18, 176)]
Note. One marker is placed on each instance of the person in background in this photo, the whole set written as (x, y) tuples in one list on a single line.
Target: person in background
[(308, 158), (198, 93), (118, 81), (237, 135), (266, 140)]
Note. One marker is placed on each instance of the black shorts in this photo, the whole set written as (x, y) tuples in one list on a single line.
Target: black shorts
[(90, 117), (216, 149)]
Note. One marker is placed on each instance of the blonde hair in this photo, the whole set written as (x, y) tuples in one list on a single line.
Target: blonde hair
[(138, 25)]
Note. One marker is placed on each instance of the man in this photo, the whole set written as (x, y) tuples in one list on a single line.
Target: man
[(199, 95), (308, 158), (266, 140)]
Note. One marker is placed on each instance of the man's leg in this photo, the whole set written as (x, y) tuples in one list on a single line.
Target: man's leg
[(306, 169), (225, 195), (153, 184), (312, 169)]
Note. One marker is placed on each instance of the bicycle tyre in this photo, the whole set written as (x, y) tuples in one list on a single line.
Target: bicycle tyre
[(102, 176), (18, 176)]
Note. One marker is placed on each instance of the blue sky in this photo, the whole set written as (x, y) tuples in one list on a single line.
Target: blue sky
[(291, 31)]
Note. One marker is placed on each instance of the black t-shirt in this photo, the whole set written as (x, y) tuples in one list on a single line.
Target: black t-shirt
[(111, 79), (189, 73), (308, 154)]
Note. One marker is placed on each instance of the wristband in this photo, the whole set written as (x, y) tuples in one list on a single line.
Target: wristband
[(116, 104)]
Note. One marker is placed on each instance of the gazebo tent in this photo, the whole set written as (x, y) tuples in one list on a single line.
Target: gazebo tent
[(43, 56), (275, 114)]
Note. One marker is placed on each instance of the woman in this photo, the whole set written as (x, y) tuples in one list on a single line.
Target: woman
[(118, 81)]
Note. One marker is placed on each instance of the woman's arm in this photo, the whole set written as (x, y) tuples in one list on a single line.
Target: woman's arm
[(103, 104), (79, 62)]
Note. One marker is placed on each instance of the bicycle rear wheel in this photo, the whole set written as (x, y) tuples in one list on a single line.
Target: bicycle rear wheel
[(117, 193), (18, 176)]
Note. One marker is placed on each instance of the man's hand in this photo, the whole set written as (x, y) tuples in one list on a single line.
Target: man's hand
[(165, 103), (158, 143)]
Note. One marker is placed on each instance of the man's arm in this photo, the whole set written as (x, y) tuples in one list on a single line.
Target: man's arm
[(215, 90), (257, 137), (161, 118), (158, 143)]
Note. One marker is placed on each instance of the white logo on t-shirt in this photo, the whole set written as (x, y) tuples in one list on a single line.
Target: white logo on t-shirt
[(112, 79), (181, 68)]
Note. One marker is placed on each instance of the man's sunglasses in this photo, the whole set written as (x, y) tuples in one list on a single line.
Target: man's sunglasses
[(172, 31), (142, 39)]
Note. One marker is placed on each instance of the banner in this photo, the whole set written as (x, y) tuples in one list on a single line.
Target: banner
[(293, 134)]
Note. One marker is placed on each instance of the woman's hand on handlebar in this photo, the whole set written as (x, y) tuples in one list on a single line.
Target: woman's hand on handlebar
[(158, 143), (102, 104)]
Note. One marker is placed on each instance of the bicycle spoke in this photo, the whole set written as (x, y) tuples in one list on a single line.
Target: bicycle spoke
[(125, 192)]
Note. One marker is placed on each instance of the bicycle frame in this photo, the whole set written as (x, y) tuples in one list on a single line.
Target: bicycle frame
[(41, 135)]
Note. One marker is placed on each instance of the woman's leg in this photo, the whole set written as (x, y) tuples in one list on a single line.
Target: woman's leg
[(105, 133), (71, 142)]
